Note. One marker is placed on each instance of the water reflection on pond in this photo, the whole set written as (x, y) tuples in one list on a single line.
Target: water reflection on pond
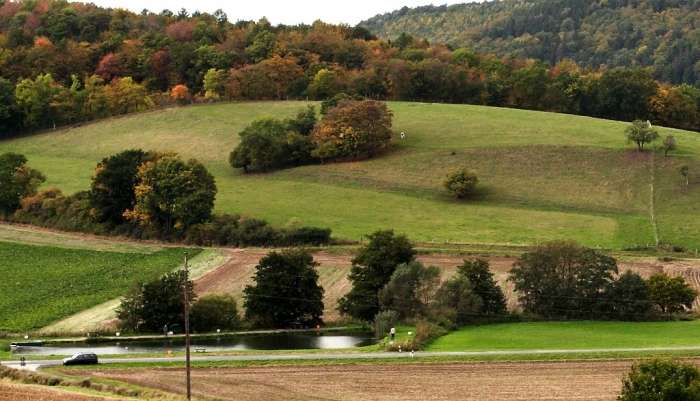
[(287, 341)]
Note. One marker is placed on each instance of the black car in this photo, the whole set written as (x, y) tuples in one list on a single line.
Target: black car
[(84, 358)]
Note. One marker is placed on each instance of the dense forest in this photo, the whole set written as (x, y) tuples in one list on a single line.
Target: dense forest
[(663, 35), (65, 63)]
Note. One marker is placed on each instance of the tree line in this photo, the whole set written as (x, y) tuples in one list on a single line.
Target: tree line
[(557, 280), (65, 63)]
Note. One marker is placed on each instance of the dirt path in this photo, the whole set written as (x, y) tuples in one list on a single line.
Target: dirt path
[(595, 380)]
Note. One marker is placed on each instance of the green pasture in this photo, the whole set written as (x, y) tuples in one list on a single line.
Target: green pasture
[(41, 284), (543, 175), (570, 336)]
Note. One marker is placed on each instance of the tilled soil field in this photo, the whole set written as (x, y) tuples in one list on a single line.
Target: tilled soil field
[(594, 380), (19, 392)]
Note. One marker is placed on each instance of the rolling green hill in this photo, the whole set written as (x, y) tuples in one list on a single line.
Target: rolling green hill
[(543, 176)]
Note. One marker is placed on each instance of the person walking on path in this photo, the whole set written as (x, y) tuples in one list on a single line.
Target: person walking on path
[(165, 330)]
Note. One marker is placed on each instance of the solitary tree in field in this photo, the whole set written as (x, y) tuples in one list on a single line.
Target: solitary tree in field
[(640, 132), (669, 144), (684, 170), (460, 182)]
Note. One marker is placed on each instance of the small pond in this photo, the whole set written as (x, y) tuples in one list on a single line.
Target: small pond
[(285, 341)]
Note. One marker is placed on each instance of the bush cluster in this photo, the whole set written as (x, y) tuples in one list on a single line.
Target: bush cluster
[(50, 208)]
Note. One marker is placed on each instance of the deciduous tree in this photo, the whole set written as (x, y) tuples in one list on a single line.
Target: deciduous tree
[(18, 181), (371, 270), (351, 128), (460, 182), (286, 290), (563, 279), (671, 293), (163, 301), (215, 311), (478, 273), (669, 144), (172, 194), (661, 379), (685, 172), (641, 132), (411, 289), (112, 189)]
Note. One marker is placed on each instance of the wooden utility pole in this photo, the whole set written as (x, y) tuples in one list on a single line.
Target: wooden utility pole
[(187, 330)]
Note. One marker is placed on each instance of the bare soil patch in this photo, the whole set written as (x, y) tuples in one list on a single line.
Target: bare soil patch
[(586, 380)]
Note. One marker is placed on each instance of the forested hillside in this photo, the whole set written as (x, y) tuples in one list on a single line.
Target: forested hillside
[(66, 63), (661, 34)]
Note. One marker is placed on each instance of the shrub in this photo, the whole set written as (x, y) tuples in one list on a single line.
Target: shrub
[(460, 182), (661, 379), (213, 312), (384, 321)]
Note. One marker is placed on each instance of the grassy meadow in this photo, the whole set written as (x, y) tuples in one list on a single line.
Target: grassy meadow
[(42, 284), (543, 176), (570, 335)]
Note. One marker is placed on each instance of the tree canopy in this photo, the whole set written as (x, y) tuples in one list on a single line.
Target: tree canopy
[(352, 128), (286, 290), (563, 279), (112, 189), (641, 133), (479, 275), (157, 303), (172, 194), (671, 294), (372, 269), (18, 181), (661, 379), (460, 182)]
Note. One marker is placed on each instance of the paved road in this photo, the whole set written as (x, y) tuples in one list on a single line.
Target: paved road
[(33, 365)]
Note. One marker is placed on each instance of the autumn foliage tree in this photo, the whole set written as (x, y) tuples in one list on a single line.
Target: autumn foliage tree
[(112, 189), (181, 93), (353, 128), (172, 194), (18, 181)]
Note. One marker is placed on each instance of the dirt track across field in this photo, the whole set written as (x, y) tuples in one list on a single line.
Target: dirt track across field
[(594, 380)]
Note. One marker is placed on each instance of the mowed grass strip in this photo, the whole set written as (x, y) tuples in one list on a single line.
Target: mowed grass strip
[(41, 284), (570, 335), (543, 175)]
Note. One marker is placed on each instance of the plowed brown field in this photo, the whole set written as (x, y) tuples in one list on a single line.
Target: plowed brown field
[(19, 392), (593, 380)]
